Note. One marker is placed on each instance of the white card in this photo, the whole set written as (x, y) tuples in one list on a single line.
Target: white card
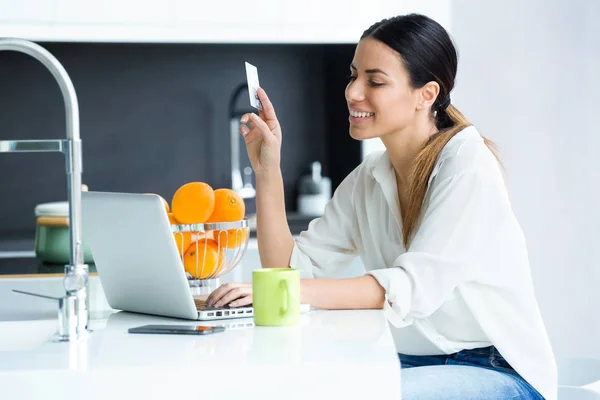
[(253, 85)]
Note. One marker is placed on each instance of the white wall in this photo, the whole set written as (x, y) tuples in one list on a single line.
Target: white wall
[(529, 79)]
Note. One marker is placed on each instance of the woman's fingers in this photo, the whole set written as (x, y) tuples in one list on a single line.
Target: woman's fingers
[(219, 292), (245, 118), (244, 130), (258, 127), (244, 301), (257, 122), (235, 294), (218, 295), (268, 110)]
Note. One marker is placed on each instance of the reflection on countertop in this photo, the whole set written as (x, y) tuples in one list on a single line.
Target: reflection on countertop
[(11, 266)]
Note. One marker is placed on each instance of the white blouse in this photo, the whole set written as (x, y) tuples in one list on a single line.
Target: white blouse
[(465, 280)]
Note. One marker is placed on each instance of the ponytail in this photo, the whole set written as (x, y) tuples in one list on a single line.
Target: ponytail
[(449, 122)]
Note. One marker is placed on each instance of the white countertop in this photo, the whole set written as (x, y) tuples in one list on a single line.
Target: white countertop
[(329, 354)]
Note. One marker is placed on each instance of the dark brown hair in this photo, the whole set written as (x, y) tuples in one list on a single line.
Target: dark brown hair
[(428, 55)]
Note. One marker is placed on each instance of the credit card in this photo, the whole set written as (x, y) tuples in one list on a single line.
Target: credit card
[(253, 85)]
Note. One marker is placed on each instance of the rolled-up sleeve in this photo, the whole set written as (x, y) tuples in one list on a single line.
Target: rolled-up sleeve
[(327, 247), (446, 249)]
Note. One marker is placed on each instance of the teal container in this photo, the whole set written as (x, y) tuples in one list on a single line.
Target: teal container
[(52, 241)]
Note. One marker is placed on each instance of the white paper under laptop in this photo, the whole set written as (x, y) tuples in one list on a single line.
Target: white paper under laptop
[(137, 259)]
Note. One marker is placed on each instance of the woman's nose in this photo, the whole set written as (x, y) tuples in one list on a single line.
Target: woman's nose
[(354, 92)]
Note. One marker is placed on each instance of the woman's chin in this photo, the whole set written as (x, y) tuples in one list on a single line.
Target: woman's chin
[(360, 134)]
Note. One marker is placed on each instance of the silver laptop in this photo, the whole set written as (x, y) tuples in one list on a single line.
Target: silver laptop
[(137, 259)]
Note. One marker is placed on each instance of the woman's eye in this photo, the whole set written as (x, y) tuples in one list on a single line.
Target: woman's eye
[(371, 83)]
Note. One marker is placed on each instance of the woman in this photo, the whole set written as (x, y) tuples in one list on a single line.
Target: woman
[(430, 218)]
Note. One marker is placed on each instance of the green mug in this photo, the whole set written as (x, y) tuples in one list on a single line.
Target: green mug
[(276, 296)]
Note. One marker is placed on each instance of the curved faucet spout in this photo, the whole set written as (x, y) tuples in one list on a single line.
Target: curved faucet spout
[(74, 323), (59, 73)]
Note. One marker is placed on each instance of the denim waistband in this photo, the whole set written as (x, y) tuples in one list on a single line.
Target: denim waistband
[(487, 357), (480, 351)]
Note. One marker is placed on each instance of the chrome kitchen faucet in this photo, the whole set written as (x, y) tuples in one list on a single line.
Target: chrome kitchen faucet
[(73, 310)]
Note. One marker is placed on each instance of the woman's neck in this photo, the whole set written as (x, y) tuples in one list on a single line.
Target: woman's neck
[(404, 146)]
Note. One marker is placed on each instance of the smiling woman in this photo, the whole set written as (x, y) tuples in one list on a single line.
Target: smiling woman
[(430, 218), (383, 101)]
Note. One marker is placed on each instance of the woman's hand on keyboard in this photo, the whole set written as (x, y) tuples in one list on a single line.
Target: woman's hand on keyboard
[(231, 294)]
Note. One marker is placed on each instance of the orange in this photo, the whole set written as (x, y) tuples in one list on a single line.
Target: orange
[(165, 203), (202, 235), (204, 258), (193, 203), (229, 207), (232, 238), (172, 219), (183, 241)]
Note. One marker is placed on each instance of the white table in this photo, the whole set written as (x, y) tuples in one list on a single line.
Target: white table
[(328, 355)]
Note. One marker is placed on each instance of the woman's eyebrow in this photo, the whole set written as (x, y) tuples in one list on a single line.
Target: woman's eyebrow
[(375, 71), (370, 71)]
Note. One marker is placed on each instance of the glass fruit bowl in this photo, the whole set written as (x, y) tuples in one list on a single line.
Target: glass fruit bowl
[(210, 250)]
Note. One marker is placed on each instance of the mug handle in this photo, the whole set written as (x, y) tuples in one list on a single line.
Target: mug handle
[(285, 291)]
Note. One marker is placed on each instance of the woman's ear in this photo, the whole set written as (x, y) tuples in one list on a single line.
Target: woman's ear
[(427, 95)]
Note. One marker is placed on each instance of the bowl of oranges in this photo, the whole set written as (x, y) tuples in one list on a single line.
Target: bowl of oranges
[(209, 230)]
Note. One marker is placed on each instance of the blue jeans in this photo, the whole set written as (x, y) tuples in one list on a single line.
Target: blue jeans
[(467, 375)]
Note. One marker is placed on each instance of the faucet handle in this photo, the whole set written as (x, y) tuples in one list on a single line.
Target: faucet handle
[(71, 310), (16, 146), (43, 296)]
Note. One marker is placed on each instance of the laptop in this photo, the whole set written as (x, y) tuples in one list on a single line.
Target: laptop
[(137, 259)]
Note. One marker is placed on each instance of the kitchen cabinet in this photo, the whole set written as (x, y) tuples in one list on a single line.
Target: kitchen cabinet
[(109, 12), (194, 21), (26, 12)]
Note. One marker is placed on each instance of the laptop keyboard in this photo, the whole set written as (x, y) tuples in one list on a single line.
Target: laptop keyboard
[(208, 308), (202, 306)]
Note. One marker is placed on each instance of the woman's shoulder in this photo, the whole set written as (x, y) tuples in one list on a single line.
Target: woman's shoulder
[(464, 145), (465, 151)]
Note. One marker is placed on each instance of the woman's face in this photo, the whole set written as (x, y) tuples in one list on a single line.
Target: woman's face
[(379, 96)]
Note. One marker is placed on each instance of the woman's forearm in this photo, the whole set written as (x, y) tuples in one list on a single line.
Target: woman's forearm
[(275, 241), (353, 293)]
